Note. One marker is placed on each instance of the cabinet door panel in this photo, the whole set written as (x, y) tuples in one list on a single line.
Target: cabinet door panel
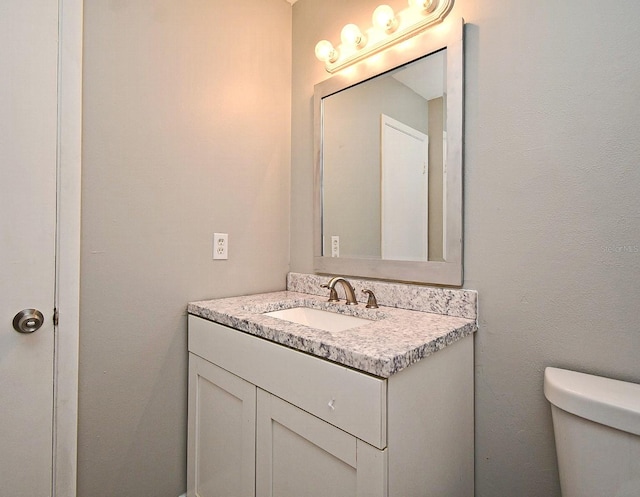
[(299, 455), (221, 442)]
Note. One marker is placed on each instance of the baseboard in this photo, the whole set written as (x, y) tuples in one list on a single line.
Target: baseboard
[(183, 495)]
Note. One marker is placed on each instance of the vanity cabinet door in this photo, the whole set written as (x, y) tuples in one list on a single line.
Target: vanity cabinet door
[(299, 455), (221, 440)]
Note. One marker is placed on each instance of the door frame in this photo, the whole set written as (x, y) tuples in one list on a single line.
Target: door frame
[(67, 295)]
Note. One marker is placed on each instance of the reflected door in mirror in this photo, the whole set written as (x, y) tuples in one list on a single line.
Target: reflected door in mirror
[(404, 160)]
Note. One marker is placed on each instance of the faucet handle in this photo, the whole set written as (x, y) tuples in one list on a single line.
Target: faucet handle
[(372, 303), (333, 294)]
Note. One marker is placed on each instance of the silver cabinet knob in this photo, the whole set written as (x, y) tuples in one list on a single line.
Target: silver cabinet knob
[(28, 321)]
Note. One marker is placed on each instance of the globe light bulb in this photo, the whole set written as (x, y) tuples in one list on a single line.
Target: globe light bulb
[(325, 51), (426, 5), (352, 36), (385, 19)]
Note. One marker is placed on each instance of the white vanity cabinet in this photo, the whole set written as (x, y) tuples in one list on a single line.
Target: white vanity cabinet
[(269, 421)]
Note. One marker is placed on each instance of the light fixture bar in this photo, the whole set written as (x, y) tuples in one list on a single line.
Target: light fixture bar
[(411, 22)]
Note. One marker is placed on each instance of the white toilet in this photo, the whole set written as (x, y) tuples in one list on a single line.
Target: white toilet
[(597, 429)]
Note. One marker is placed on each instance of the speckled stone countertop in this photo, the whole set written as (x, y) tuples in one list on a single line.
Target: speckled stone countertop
[(392, 341)]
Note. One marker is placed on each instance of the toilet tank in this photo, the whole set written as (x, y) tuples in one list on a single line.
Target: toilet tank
[(596, 422)]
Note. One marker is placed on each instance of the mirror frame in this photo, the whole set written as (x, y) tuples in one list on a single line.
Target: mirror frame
[(449, 35)]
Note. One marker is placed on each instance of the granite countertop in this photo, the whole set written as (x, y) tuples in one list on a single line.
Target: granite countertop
[(392, 341)]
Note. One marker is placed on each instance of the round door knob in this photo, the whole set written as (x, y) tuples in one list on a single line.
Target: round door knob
[(28, 321)]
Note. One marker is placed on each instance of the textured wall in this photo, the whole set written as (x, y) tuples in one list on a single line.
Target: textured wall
[(186, 132), (552, 239)]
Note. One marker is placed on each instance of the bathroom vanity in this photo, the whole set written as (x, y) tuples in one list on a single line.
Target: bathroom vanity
[(278, 408), (283, 407)]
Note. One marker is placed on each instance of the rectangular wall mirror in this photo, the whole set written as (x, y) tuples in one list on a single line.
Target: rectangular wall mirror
[(388, 148)]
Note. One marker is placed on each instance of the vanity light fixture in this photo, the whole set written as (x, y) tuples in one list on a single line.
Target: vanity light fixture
[(387, 30)]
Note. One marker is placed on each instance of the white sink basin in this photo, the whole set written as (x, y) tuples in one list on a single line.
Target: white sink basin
[(316, 318)]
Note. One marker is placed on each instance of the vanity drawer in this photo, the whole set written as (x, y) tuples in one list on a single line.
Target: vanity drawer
[(353, 401)]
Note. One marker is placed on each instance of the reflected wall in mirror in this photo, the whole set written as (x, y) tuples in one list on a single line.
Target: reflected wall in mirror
[(389, 163)]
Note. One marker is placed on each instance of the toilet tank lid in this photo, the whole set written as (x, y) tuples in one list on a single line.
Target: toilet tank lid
[(609, 402)]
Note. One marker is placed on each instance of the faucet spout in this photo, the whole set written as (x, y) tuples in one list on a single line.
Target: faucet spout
[(348, 289)]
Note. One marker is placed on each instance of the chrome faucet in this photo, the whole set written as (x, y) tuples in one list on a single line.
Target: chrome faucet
[(348, 290)]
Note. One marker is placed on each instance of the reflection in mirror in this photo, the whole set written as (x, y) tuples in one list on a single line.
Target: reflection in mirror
[(388, 174), (383, 147)]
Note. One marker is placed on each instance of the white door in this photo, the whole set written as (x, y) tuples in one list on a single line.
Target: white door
[(404, 191), (28, 151)]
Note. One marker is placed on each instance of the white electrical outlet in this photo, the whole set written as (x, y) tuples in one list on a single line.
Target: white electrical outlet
[(335, 246), (221, 246)]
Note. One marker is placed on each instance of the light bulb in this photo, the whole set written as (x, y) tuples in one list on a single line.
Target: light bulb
[(325, 51), (426, 5), (352, 36), (385, 19)]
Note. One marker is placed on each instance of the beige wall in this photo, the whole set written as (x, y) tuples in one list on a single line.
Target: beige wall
[(551, 202), (186, 132)]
